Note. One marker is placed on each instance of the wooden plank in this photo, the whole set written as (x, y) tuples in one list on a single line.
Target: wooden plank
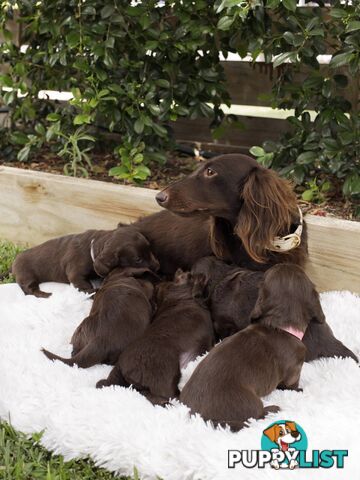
[(255, 131), (247, 82), (37, 206), (334, 253)]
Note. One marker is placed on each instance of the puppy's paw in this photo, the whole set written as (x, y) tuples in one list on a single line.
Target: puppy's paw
[(102, 383)]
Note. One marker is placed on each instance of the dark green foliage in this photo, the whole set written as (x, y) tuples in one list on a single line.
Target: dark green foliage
[(134, 68)]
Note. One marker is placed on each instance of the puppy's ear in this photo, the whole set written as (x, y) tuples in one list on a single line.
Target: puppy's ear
[(200, 283), (269, 206), (272, 432), (257, 312), (316, 312), (100, 267)]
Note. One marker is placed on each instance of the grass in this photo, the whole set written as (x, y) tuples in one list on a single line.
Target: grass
[(21, 456)]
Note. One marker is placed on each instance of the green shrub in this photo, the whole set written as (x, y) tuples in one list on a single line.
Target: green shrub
[(134, 67)]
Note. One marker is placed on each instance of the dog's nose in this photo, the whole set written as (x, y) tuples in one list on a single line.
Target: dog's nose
[(162, 198), (295, 434)]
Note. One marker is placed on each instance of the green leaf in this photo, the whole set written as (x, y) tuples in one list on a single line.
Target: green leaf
[(154, 109), (82, 118), (289, 4), (139, 158), (23, 154), (162, 82), (272, 4), (338, 13), (53, 117), (352, 185), (308, 195), (120, 172), (283, 57), (257, 151), (19, 138), (141, 172), (139, 126), (352, 26), (159, 130), (6, 81), (225, 23), (341, 59), (306, 157), (107, 11)]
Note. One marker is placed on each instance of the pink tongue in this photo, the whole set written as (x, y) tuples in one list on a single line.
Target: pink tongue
[(284, 445)]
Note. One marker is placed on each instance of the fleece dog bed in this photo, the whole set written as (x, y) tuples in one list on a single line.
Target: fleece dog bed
[(120, 429)]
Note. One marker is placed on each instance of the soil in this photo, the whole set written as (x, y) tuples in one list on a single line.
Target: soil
[(176, 167)]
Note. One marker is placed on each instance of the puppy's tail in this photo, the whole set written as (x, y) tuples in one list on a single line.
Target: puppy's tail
[(90, 355)]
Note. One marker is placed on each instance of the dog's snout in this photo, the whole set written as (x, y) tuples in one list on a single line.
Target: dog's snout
[(295, 433), (162, 198)]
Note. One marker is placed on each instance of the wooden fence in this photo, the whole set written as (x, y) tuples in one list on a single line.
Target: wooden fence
[(37, 206)]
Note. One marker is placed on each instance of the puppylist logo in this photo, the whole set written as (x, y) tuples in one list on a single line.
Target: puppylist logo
[(284, 444)]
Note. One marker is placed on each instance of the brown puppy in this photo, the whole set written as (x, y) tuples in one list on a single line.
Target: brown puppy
[(78, 258), (120, 313), (181, 331), (227, 385), (231, 293)]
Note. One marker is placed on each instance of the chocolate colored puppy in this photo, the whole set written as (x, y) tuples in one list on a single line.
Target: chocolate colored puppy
[(227, 385), (180, 331), (121, 312), (78, 258), (231, 293)]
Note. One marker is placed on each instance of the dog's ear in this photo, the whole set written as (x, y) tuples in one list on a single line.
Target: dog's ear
[(100, 267), (291, 425), (269, 206), (272, 432), (200, 283), (257, 311)]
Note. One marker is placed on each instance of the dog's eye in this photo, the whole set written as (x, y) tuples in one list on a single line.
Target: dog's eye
[(138, 260), (209, 172), (281, 433)]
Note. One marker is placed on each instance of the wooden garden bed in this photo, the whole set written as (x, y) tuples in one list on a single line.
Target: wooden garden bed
[(36, 206)]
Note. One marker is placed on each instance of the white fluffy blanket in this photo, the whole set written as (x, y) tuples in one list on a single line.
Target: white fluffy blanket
[(119, 429)]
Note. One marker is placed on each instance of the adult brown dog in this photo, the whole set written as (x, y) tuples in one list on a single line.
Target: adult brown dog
[(121, 312), (230, 207), (227, 385), (180, 331), (78, 258)]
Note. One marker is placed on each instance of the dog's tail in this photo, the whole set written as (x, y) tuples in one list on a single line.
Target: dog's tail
[(90, 355)]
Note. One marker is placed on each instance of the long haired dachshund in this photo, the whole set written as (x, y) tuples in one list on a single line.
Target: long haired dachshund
[(81, 257), (230, 207), (181, 330), (227, 386), (231, 293), (121, 312)]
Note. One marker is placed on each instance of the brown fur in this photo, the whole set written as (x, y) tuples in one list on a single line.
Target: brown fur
[(268, 211), (120, 313), (68, 259), (227, 385), (231, 294), (233, 214), (181, 330)]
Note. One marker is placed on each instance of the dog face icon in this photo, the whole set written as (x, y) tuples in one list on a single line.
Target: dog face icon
[(283, 434)]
